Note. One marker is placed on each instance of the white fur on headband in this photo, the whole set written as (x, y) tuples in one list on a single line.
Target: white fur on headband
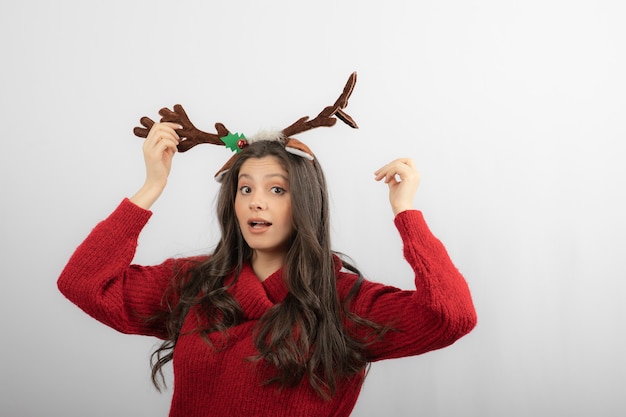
[(277, 136), (220, 176), (271, 135), (299, 153)]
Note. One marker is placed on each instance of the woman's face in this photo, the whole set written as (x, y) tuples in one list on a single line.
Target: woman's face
[(263, 205)]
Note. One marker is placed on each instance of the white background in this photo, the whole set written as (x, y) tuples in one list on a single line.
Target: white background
[(512, 110)]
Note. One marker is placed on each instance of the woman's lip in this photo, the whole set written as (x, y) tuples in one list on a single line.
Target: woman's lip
[(252, 222), (258, 227)]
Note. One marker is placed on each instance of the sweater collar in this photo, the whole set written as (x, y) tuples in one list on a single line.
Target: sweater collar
[(256, 297)]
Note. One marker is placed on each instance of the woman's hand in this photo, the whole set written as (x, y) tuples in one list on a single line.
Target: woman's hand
[(159, 148), (403, 179)]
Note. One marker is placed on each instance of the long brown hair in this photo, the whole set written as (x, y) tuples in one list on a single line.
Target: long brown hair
[(305, 335)]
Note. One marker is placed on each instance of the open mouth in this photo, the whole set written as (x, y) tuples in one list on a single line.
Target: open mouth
[(259, 224)]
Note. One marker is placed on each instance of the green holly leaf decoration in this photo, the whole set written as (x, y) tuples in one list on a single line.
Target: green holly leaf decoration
[(232, 141)]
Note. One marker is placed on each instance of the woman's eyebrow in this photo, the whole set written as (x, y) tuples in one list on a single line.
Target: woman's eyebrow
[(268, 176)]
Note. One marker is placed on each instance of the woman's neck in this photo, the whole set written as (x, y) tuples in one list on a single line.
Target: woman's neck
[(265, 264)]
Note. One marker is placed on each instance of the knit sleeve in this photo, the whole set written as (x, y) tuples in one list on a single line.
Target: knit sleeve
[(100, 279), (434, 315)]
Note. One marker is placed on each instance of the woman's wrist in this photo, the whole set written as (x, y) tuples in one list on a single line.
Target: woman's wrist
[(147, 195), (399, 208)]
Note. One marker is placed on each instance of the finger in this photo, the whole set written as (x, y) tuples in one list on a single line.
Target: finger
[(162, 149), (405, 174), (163, 130), (402, 167), (405, 169), (398, 162), (160, 141), (168, 141), (172, 125), (388, 172), (381, 172), (165, 143), (166, 126)]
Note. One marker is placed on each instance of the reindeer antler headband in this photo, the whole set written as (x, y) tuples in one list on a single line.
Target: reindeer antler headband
[(191, 136)]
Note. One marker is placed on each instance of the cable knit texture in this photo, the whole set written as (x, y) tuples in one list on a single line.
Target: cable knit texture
[(101, 280)]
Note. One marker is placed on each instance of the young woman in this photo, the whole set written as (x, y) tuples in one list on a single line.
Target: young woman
[(273, 323)]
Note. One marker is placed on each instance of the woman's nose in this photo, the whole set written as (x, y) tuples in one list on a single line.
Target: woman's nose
[(256, 204)]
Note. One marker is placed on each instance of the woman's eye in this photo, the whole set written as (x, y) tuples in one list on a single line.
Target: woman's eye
[(245, 189), (278, 190)]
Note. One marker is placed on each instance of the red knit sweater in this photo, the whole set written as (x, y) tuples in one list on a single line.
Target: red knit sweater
[(100, 279)]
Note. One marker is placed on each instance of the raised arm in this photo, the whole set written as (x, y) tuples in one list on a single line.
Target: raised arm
[(439, 310), (100, 279), (158, 150)]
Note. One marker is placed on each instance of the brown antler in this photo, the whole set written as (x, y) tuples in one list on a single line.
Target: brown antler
[(189, 134), (325, 118)]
